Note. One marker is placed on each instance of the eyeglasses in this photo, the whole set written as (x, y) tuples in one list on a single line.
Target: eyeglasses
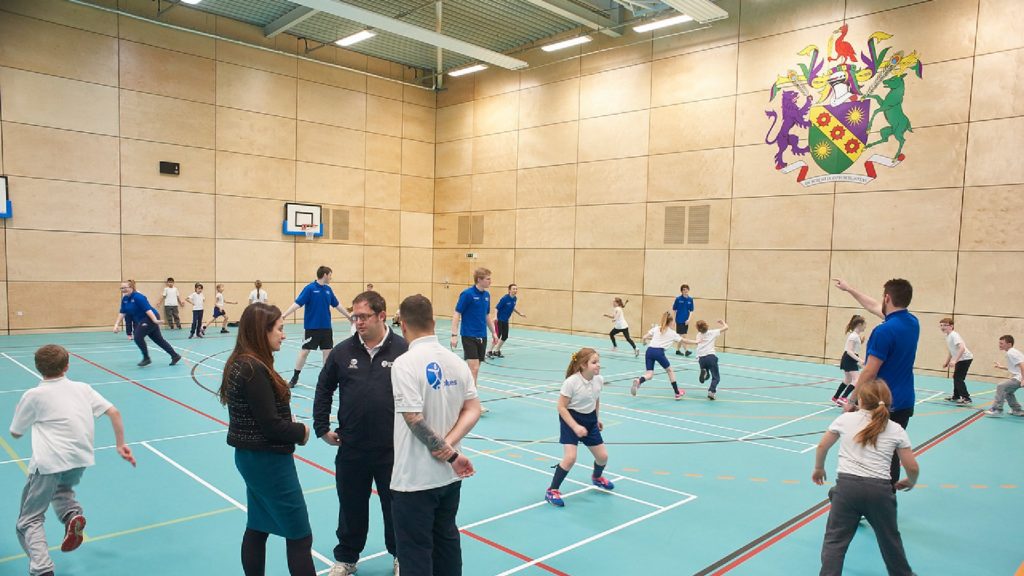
[(362, 317)]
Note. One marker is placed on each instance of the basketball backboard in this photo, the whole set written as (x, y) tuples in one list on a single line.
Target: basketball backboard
[(300, 218)]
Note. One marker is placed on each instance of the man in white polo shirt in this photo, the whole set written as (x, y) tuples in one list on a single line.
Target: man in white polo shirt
[(436, 405)]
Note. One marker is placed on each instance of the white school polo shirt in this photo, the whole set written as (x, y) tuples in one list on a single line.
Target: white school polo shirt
[(1014, 359), (61, 414), (170, 296), (706, 342), (661, 339), (953, 342), (257, 296), (197, 300), (582, 395), (866, 460), (434, 381)]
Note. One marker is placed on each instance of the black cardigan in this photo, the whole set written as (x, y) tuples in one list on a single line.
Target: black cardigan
[(257, 419)]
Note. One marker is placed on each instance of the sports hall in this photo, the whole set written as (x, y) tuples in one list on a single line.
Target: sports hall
[(754, 151)]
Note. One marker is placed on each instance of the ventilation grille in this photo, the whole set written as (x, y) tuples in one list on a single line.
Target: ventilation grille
[(471, 229), (675, 224), (339, 224), (700, 224), (477, 237), (464, 229)]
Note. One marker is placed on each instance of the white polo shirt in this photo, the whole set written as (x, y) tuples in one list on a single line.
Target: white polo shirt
[(1014, 359), (953, 342), (866, 460), (706, 342), (432, 380), (582, 395), (197, 300), (619, 319), (170, 296), (661, 339), (258, 296), (853, 343), (61, 414)]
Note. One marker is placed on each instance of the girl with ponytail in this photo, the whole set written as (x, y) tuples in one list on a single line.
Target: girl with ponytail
[(852, 360), (867, 440), (658, 339)]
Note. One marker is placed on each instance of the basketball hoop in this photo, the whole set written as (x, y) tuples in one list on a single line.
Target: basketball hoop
[(308, 230)]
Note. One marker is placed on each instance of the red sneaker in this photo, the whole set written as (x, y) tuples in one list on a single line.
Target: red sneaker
[(73, 533)]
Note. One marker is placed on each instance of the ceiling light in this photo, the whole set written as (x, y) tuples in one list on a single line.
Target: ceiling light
[(663, 23), (357, 37), (469, 70), (191, 1), (566, 43)]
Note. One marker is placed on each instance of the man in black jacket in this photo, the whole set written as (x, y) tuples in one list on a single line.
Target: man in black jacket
[(360, 369)]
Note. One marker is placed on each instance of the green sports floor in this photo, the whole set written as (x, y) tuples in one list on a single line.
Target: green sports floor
[(702, 487)]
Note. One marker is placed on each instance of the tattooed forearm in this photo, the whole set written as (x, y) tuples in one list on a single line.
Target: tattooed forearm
[(419, 429)]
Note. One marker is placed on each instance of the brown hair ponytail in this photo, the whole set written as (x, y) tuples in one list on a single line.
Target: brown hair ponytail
[(875, 397), (579, 360)]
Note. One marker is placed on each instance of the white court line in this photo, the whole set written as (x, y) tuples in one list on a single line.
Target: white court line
[(138, 442), (570, 480), (217, 491), (787, 423), (29, 370)]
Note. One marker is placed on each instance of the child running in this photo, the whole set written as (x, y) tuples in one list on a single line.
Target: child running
[(657, 340), (959, 359), (198, 300), (706, 357), (578, 405), (852, 360), (867, 440), (219, 310), (619, 325), (61, 414)]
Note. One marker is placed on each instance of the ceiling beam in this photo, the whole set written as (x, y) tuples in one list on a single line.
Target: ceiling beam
[(387, 24), (580, 15), (702, 11), (292, 18)]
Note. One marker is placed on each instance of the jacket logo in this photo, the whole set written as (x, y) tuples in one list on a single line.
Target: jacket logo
[(353, 364), (386, 364)]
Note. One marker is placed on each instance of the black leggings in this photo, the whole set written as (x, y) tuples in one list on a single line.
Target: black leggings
[(625, 333), (148, 328), (960, 379), (254, 554)]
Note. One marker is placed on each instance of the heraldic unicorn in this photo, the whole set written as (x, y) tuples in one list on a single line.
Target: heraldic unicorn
[(832, 98)]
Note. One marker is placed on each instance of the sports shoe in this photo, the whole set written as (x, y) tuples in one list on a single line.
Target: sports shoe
[(950, 398), (835, 399), (689, 352), (343, 569), (842, 401), (499, 354), (202, 331), (711, 395), (223, 330), (484, 409), (636, 352), (680, 394), (602, 482), (554, 497), (964, 401), (175, 359), (1017, 413), (396, 567), (678, 353), (73, 533), (703, 375), (634, 387), (993, 412), (490, 354), (145, 362), (191, 336)]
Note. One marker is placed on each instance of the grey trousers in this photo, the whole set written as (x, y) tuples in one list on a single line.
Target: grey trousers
[(874, 499), (40, 491), (1004, 393), (172, 318)]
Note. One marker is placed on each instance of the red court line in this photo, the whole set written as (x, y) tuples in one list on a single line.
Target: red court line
[(490, 543), (511, 552), (818, 513)]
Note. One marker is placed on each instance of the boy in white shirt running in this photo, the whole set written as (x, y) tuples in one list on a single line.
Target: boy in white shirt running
[(219, 310), (706, 357), (1004, 392), (60, 413)]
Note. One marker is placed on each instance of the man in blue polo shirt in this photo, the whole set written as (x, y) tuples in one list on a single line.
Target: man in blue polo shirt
[(506, 306), (683, 306), (891, 350), (471, 320), (318, 299)]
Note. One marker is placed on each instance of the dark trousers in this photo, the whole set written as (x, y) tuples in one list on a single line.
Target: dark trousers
[(426, 533), (148, 328), (853, 497), (197, 322), (625, 333), (173, 320), (960, 379), (356, 470), (901, 417), (710, 363)]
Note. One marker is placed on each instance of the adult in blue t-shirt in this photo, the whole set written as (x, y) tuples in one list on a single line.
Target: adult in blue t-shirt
[(506, 306), (683, 307), (136, 309), (892, 348), (471, 320), (318, 299)]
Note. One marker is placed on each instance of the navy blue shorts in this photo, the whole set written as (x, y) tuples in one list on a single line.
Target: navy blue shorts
[(218, 312), (655, 355), (588, 421)]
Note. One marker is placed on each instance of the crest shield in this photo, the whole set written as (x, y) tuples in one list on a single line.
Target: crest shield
[(838, 134)]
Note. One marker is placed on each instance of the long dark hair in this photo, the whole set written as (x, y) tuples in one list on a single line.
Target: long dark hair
[(855, 320), (256, 322), (579, 361)]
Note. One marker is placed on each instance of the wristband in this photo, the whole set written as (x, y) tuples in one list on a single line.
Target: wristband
[(453, 458)]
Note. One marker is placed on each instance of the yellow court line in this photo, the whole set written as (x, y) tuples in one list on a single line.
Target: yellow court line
[(14, 455)]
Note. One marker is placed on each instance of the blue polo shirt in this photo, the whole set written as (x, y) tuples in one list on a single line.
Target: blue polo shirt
[(683, 306), (318, 300), (894, 342), (134, 307), (505, 307), (474, 305)]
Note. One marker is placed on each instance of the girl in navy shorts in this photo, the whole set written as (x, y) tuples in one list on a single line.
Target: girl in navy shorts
[(659, 338), (578, 404)]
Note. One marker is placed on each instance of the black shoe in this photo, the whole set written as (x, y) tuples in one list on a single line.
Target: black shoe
[(490, 354), (223, 330), (678, 353), (293, 382), (688, 352), (499, 354), (703, 375), (145, 362), (191, 336), (175, 359)]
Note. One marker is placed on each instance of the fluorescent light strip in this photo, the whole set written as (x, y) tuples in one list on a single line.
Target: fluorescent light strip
[(566, 43), (470, 70), (662, 23), (357, 37)]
